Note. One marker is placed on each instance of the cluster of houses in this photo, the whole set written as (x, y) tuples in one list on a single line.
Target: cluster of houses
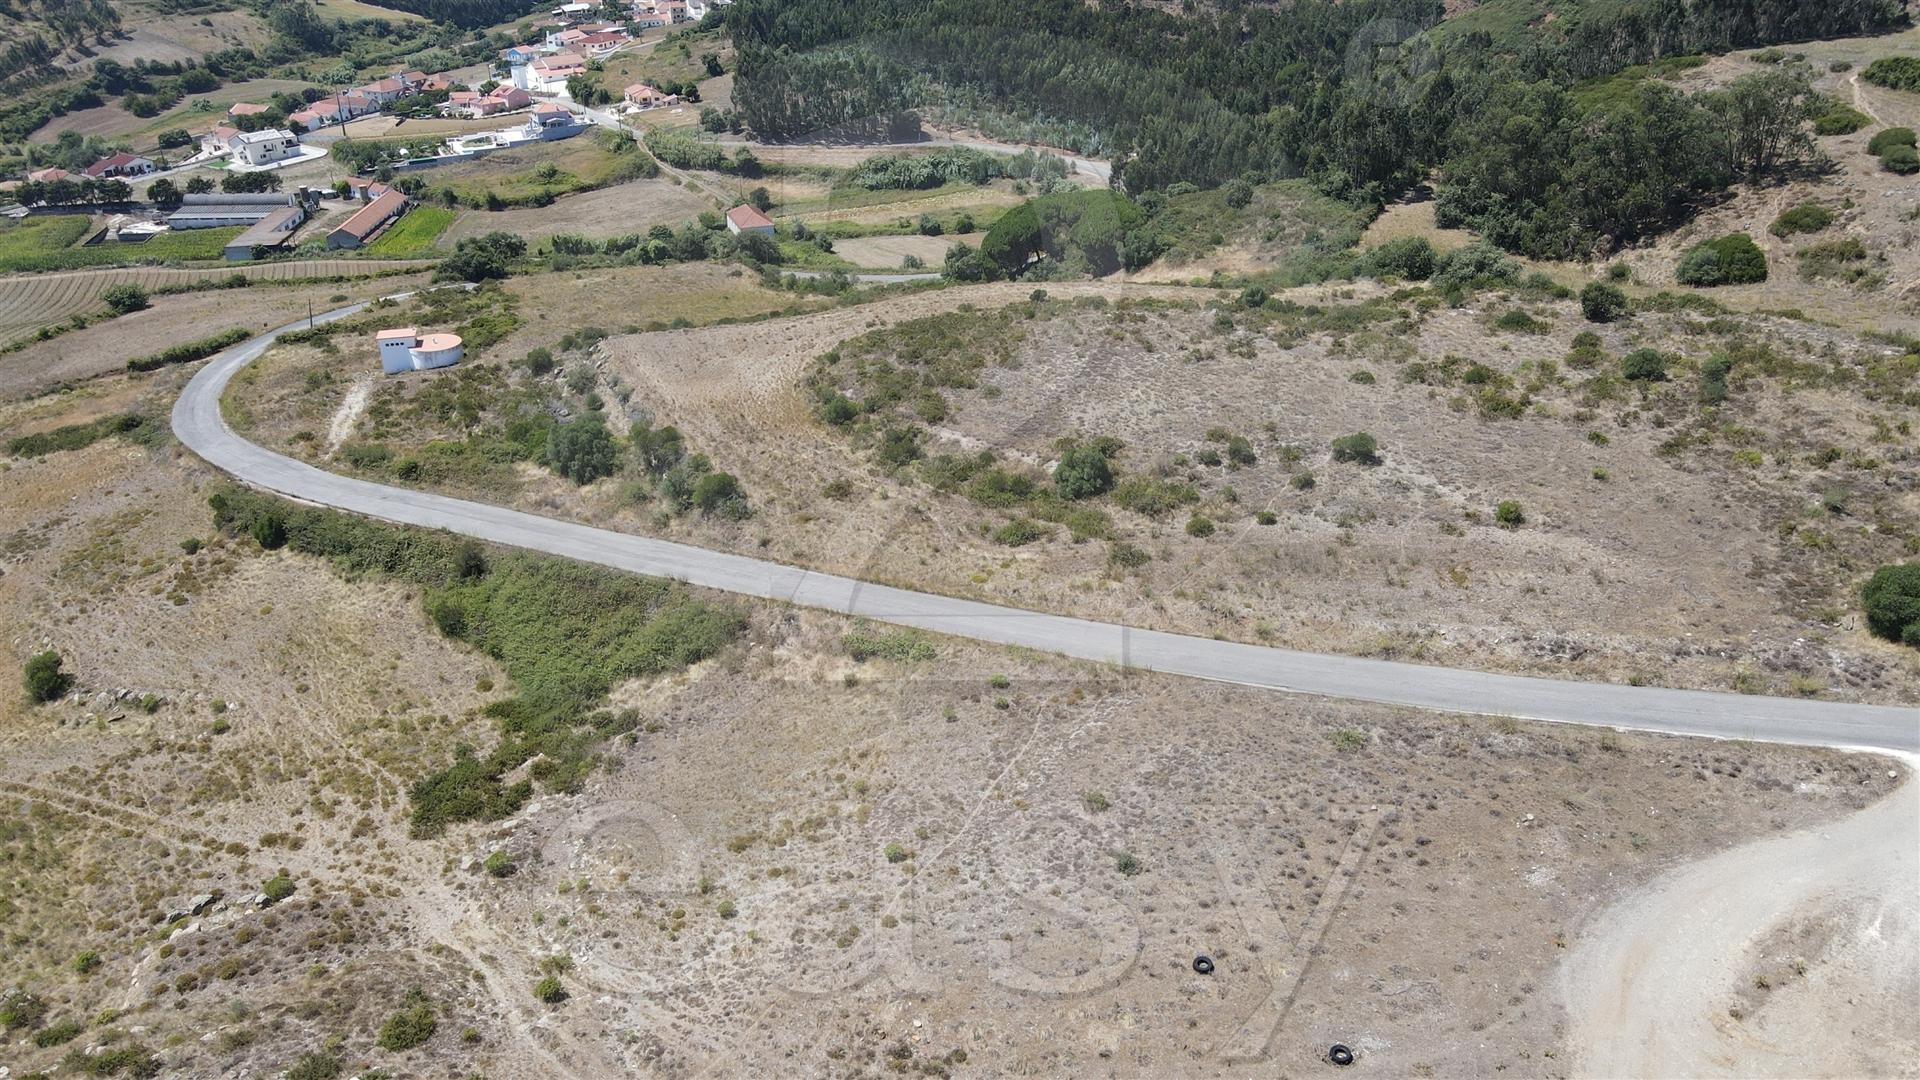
[(573, 40), (115, 166)]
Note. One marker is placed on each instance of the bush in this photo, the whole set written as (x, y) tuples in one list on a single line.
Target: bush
[(125, 299), (1842, 120), (549, 990), (189, 352), (269, 531), (1410, 258), (1083, 473), (1901, 161), (44, 679), (1602, 303), (498, 864), (1509, 515), (720, 493), (408, 1028), (1359, 447), (1644, 365), (1200, 526), (581, 450), (1891, 599), (1889, 138), (1478, 264), (316, 1065), (1894, 72), (1733, 259), (1020, 532), (1805, 218), (277, 888)]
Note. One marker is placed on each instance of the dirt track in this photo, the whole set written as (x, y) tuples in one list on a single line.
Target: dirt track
[(1794, 956)]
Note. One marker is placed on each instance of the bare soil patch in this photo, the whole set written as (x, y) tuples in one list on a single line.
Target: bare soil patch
[(611, 211)]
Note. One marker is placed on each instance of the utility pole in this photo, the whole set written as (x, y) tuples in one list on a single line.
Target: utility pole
[(309, 312)]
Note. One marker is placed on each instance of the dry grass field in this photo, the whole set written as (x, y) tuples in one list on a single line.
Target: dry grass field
[(29, 302), (955, 862), (611, 211)]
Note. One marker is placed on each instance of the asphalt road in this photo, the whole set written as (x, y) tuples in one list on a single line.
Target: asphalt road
[(198, 424)]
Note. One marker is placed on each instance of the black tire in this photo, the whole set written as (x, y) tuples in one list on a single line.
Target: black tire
[(1339, 1054), (1203, 964)]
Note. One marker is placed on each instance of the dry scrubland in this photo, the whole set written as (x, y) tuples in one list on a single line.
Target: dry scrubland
[(1664, 539), (612, 211), (1011, 843)]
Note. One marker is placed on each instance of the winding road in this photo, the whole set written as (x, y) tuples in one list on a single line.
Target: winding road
[(198, 423)]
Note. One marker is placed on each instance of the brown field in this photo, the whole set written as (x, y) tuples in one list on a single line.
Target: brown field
[(31, 301), (107, 345), (354, 9), (790, 840), (611, 211), (164, 36), (885, 252)]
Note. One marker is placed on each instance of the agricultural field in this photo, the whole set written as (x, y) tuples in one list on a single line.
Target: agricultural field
[(414, 234), (609, 211), (354, 9), (29, 303), (25, 247), (538, 171), (676, 59)]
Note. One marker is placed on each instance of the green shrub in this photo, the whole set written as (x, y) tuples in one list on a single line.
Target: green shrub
[(190, 351), (269, 531), (1126, 863), (1894, 72), (87, 962), (1733, 259), (1200, 526), (581, 450), (1901, 160), (1509, 515), (1891, 600), (408, 1027), (1020, 531), (1477, 265), (59, 1033), (1151, 497), (1083, 473), (1359, 447), (498, 863), (1517, 321), (316, 1065), (277, 888), (1602, 303), (1804, 218), (125, 299), (135, 426), (718, 493), (1410, 258), (1888, 138), (1841, 120), (549, 990), (43, 677), (1644, 365)]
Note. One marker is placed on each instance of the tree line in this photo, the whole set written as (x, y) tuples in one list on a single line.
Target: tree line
[(1365, 97)]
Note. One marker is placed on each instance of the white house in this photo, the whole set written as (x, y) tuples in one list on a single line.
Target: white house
[(264, 147), (406, 349), (746, 219)]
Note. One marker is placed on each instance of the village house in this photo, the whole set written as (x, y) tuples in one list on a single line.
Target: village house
[(642, 96), (603, 43), (745, 219), (549, 74), (502, 98), (366, 223), (552, 120), (120, 164), (384, 92), (264, 147)]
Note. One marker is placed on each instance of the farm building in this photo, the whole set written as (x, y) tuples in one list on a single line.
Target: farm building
[(745, 219), (406, 349), (366, 223), (221, 211), (272, 232)]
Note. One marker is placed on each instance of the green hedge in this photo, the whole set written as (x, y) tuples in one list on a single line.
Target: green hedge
[(190, 351)]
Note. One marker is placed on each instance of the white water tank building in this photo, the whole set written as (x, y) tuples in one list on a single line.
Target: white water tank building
[(405, 349)]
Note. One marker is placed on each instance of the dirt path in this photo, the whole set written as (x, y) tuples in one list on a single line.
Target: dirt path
[(1862, 102), (1796, 956)]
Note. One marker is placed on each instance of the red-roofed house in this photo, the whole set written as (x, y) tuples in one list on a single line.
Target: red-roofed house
[(601, 44), (366, 223), (745, 219), (120, 164), (642, 96)]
